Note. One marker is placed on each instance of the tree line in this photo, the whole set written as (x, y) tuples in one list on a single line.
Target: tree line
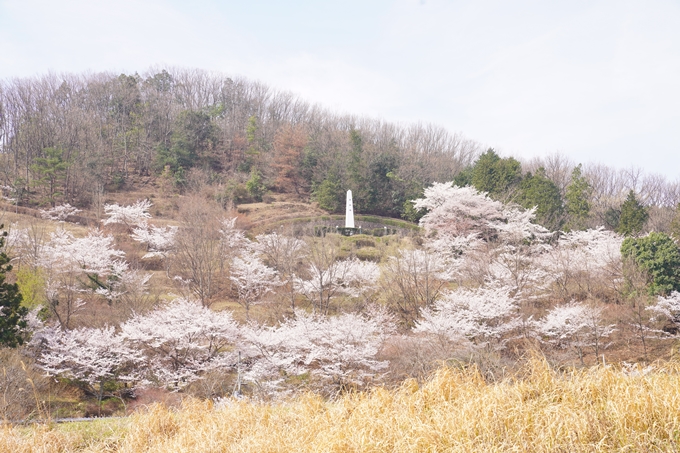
[(62, 138), (68, 138)]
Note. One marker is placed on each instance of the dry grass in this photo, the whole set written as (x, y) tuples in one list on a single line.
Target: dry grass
[(600, 409)]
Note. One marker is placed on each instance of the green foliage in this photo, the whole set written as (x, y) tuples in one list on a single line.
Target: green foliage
[(612, 218), (310, 160), (659, 256), (255, 186), (384, 194), (251, 130), (633, 216), (329, 193), (577, 201), (51, 171), (252, 153), (234, 192), (193, 139), (357, 173), (162, 81), (11, 312), (464, 178), (410, 213), (675, 224), (31, 284), (537, 190), (373, 177), (495, 175), (356, 165)]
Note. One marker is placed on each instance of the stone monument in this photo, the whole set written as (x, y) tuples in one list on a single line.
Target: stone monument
[(349, 211)]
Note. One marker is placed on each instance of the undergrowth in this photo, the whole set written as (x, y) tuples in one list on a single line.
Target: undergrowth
[(456, 410)]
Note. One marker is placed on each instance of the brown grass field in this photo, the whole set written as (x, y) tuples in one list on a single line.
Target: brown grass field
[(598, 409)]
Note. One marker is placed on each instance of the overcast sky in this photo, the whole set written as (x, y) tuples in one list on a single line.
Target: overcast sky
[(598, 81)]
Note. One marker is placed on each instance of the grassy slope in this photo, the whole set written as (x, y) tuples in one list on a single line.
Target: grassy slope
[(600, 409)]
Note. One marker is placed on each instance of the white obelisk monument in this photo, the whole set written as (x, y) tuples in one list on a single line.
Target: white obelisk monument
[(349, 212)]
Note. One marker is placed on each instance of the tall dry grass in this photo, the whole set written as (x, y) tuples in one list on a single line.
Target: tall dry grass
[(600, 409)]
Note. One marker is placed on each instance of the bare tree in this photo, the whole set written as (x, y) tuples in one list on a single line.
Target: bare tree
[(413, 279), (285, 254), (199, 257)]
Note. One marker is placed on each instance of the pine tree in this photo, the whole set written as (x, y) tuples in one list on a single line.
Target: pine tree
[(12, 314), (328, 193), (537, 190), (577, 200), (633, 216), (496, 176), (51, 172)]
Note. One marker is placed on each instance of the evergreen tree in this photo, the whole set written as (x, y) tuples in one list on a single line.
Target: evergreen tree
[(464, 178), (659, 256), (51, 171), (577, 200), (193, 141), (357, 177), (496, 176), (12, 314), (612, 218), (255, 186), (384, 196), (633, 216), (539, 191), (254, 143), (329, 193)]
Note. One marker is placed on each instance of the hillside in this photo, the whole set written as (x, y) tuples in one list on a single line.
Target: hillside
[(78, 139), (177, 234)]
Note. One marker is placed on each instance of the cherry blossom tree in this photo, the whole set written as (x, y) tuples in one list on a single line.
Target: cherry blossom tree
[(471, 228), (338, 350), (27, 243), (279, 250), (183, 340), (16, 240), (75, 266), (517, 258), (232, 238), (129, 291), (5, 192), (586, 260), (283, 253), (93, 254), (575, 325), (160, 241), (134, 214), (459, 211), (58, 213), (474, 317), (351, 277), (252, 278), (668, 307), (93, 357)]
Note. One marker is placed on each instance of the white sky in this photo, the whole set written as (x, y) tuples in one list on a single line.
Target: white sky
[(598, 81)]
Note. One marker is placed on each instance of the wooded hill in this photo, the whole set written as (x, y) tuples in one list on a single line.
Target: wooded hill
[(64, 138), (70, 138)]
